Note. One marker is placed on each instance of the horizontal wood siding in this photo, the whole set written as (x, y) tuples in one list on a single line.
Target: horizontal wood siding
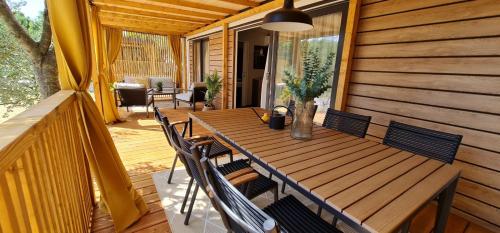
[(436, 64), (215, 62)]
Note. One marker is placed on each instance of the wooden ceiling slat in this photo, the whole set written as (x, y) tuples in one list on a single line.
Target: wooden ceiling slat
[(146, 30), (118, 15), (158, 14), (113, 21), (196, 5), (155, 8), (243, 2)]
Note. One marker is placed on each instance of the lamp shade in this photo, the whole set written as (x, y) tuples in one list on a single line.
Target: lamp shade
[(287, 19)]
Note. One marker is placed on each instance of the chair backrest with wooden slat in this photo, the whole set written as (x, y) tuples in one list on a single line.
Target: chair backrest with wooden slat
[(236, 210), (347, 122), (164, 123), (133, 96), (431, 143), (189, 156)]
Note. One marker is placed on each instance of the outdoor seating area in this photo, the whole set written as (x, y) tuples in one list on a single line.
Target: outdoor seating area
[(183, 116)]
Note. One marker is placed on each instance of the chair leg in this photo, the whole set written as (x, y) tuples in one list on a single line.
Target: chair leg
[(172, 170), (216, 163), (283, 187), (335, 220), (193, 198), (127, 108), (276, 195), (188, 190), (231, 156), (319, 211)]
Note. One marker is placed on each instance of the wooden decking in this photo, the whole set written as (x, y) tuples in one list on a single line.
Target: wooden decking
[(144, 150)]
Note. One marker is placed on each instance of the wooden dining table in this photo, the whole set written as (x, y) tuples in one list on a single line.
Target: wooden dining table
[(370, 186)]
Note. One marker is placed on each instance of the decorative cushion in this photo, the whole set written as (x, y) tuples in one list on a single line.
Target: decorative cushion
[(129, 79), (185, 96), (128, 85)]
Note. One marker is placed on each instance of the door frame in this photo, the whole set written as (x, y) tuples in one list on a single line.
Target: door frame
[(316, 9)]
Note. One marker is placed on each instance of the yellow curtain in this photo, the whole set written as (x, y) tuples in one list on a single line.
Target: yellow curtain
[(107, 46), (175, 44), (70, 22)]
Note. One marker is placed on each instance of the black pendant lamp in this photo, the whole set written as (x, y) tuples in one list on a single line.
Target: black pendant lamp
[(287, 19)]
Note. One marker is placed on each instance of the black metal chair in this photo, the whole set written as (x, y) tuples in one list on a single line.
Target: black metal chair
[(218, 149), (291, 107), (431, 143), (196, 148), (135, 97), (347, 122), (241, 215)]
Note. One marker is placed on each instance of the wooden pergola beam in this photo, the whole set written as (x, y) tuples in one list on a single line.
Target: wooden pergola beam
[(146, 30), (156, 8), (243, 2), (120, 16), (347, 54), (256, 10), (157, 14), (196, 5)]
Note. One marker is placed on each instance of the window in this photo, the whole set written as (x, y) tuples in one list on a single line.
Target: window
[(204, 59), (325, 37)]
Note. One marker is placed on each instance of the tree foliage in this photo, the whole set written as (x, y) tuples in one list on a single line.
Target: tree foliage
[(18, 84)]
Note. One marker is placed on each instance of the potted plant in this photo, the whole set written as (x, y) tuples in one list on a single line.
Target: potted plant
[(214, 84), (159, 86), (312, 84)]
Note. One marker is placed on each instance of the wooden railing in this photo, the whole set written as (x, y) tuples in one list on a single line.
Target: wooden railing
[(45, 183)]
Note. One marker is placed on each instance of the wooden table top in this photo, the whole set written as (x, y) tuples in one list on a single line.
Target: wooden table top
[(376, 186)]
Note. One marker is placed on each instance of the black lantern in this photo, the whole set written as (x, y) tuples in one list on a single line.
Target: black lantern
[(287, 19)]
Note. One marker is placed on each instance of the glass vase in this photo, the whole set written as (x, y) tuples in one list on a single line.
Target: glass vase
[(302, 125)]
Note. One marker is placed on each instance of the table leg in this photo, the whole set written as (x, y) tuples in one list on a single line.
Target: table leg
[(153, 100), (174, 98), (444, 206), (190, 127)]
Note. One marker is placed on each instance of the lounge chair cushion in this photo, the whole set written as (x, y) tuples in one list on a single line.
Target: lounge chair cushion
[(167, 82), (128, 85)]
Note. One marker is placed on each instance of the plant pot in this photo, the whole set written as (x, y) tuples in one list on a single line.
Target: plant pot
[(207, 108), (302, 125), (159, 88)]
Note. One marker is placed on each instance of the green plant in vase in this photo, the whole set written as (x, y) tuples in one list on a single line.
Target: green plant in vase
[(312, 84), (159, 86), (214, 85)]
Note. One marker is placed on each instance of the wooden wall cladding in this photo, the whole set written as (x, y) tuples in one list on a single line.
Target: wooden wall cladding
[(215, 62), (436, 64)]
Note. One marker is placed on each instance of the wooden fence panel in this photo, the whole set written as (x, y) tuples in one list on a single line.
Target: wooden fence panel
[(44, 178)]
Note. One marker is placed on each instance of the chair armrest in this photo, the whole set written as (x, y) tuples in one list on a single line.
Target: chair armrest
[(202, 143), (198, 138), (244, 179), (238, 173), (184, 128)]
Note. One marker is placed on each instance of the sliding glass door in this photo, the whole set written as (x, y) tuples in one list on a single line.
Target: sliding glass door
[(326, 38)]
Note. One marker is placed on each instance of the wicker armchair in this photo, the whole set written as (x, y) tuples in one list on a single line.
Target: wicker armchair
[(193, 149), (431, 143), (346, 122), (193, 95), (241, 215), (135, 97)]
